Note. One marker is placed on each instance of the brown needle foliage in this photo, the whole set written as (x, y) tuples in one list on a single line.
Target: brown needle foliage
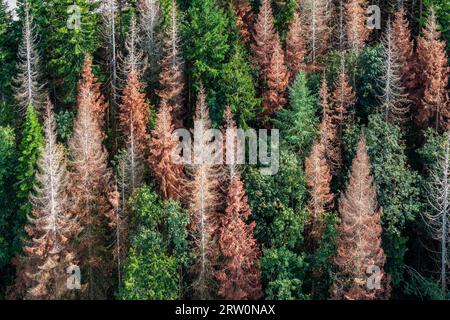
[(295, 48), (89, 83), (203, 202), (245, 19), (407, 60), (318, 178), (168, 174), (50, 227), (356, 30), (134, 112), (277, 83), (434, 107), (239, 276), (359, 246), (343, 99), (90, 192), (171, 76), (264, 37), (328, 129)]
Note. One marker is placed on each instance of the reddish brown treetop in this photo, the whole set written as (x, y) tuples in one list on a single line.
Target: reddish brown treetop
[(359, 244)]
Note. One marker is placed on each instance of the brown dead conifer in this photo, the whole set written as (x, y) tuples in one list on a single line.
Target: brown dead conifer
[(360, 254), (434, 107), (169, 175), (295, 48)]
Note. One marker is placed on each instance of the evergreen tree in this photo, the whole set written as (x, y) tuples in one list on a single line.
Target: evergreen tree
[(283, 273), (158, 249), (8, 44), (277, 204), (66, 47), (239, 88), (299, 123), (30, 149), (206, 51), (397, 188), (7, 161)]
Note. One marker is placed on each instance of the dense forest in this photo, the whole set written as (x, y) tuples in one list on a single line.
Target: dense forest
[(353, 100)]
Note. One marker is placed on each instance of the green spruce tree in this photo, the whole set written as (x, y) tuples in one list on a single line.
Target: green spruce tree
[(158, 249), (298, 124), (29, 150)]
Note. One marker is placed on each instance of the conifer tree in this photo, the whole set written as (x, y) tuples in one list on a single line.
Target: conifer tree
[(315, 17), (359, 245), (394, 103), (397, 189), (108, 11), (89, 83), (150, 21), (169, 175), (6, 55), (29, 149), (277, 83), (438, 218), (264, 38), (299, 122), (434, 106), (133, 59), (51, 225), (134, 112), (244, 19), (295, 48), (407, 60), (7, 193), (171, 77), (343, 99), (239, 275), (328, 129), (318, 178), (207, 50), (67, 44), (239, 87), (203, 206), (90, 190), (29, 89), (357, 32)]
